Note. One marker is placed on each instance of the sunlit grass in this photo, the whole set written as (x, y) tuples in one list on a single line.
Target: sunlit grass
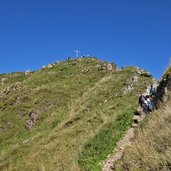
[(75, 107)]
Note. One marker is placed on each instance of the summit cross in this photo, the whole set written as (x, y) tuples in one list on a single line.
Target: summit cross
[(77, 53)]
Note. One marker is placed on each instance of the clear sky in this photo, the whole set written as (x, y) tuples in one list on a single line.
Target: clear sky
[(127, 32)]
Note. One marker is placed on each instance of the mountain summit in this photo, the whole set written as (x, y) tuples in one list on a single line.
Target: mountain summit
[(67, 116)]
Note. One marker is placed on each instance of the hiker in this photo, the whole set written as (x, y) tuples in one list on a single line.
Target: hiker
[(150, 104), (68, 58), (143, 103), (141, 100), (152, 90), (145, 106)]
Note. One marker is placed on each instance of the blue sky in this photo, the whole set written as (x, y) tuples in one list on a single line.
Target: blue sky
[(127, 32)]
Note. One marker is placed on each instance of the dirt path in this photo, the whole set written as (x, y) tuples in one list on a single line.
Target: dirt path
[(127, 140)]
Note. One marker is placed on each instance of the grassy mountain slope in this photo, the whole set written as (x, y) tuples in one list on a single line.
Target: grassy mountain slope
[(151, 150), (84, 110)]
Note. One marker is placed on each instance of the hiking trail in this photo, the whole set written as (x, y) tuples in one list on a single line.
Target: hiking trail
[(127, 140), (109, 164)]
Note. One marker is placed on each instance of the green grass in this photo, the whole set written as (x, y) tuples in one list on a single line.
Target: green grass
[(104, 142), (76, 109), (151, 149)]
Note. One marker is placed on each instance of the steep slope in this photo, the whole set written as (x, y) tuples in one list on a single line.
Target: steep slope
[(151, 150), (78, 104)]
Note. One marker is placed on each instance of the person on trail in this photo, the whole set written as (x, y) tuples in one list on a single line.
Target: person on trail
[(68, 58), (150, 104), (141, 100), (145, 106), (143, 103), (152, 90)]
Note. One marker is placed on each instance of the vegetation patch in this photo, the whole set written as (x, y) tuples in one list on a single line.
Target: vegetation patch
[(78, 103), (104, 142)]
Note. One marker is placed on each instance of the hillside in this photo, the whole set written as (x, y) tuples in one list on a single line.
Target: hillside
[(151, 149), (74, 112)]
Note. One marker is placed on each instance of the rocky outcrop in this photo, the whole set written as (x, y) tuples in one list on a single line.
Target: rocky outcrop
[(106, 67), (86, 71), (33, 119), (3, 81), (163, 88), (110, 67), (50, 65), (143, 72), (15, 87), (128, 89)]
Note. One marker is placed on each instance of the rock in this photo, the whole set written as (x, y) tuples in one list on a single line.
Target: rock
[(128, 89), (33, 118), (105, 101), (7, 91), (29, 125), (98, 66), (109, 67), (4, 79), (26, 141), (86, 71), (17, 100), (144, 73), (16, 86), (50, 66), (134, 125), (112, 167), (36, 101), (105, 67), (139, 72), (135, 79), (80, 59), (121, 148), (138, 112), (101, 68), (137, 119)]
